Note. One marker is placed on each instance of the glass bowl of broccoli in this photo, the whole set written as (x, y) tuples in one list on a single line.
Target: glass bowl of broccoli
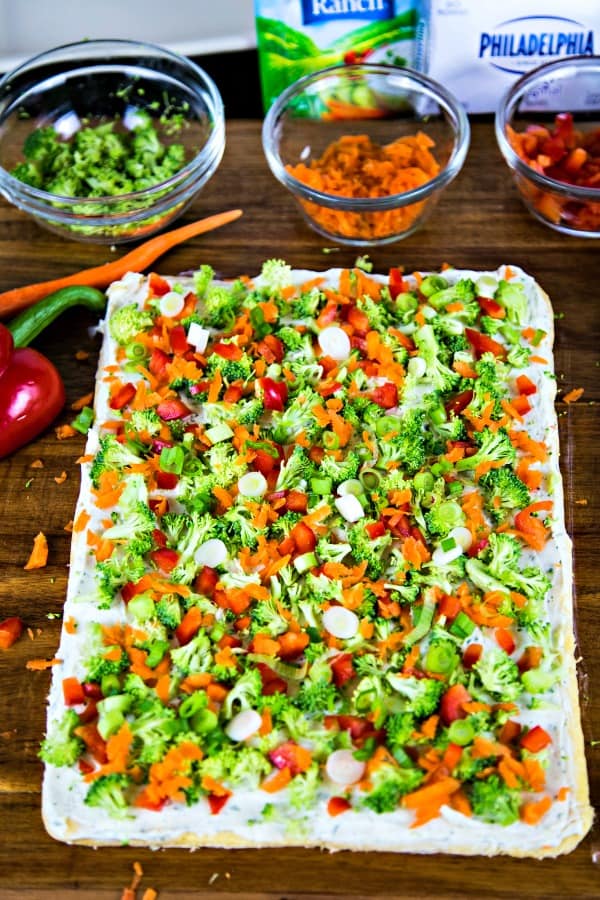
[(108, 141)]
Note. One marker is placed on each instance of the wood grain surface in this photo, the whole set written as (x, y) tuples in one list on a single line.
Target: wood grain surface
[(479, 223)]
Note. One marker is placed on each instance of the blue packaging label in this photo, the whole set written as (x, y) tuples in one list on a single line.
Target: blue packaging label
[(319, 11), (514, 42)]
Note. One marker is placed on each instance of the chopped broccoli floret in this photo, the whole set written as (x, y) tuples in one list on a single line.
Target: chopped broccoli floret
[(373, 551), (202, 279), (153, 729), (317, 697), (505, 552), (390, 783), (504, 491), (127, 321), (230, 369), (494, 446), (112, 456), (421, 695), (194, 656), (168, 611), (97, 666), (328, 551), (461, 292), (340, 469), (296, 470), (399, 729), (61, 747), (109, 792), (494, 802), (306, 305), (443, 517), (249, 411), (198, 528), (296, 417), (499, 674), (376, 312), (244, 694), (276, 274), (265, 616), (221, 304), (511, 295), (299, 345), (436, 372), (406, 442), (146, 420)]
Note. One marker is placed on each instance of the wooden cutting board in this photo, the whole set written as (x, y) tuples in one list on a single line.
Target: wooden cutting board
[(479, 223)]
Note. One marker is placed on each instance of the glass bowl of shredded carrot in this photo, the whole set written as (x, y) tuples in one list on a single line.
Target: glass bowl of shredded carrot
[(548, 130), (108, 141), (366, 149)]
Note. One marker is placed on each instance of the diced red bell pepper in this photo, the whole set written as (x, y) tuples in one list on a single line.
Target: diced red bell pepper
[(172, 409), (471, 655), (228, 351), (206, 581), (10, 631), (483, 343), (459, 402), (275, 393), (233, 393), (131, 589), (73, 692), (396, 283), (375, 529), (264, 462), (491, 308), (449, 606), (179, 341), (505, 639), (189, 625), (342, 668), (165, 558), (159, 537), (92, 690), (158, 362), (535, 739), (166, 481), (93, 740), (358, 320), (451, 704), (271, 349), (124, 395), (304, 538), (292, 756), (296, 501), (385, 395), (521, 404), (216, 802), (525, 385), (158, 285), (338, 805)]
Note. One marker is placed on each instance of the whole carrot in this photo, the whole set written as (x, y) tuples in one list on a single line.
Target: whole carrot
[(101, 276)]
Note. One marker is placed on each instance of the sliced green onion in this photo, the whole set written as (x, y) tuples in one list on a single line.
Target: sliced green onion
[(369, 479), (110, 684), (463, 626), (84, 420), (252, 484), (350, 486), (193, 704), (441, 658), (454, 487), (425, 618), (448, 543), (438, 415), (423, 481), (334, 342), (141, 607), (305, 561), (349, 507), (136, 352), (461, 732), (331, 440), (171, 304), (538, 337), (172, 459), (321, 486), (219, 433), (203, 721), (212, 553), (536, 681), (486, 286), (386, 424)]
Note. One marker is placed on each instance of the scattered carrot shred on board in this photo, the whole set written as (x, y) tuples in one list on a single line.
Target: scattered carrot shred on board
[(86, 400), (355, 166), (37, 464), (39, 555), (38, 665), (573, 396), (64, 432), (59, 479)]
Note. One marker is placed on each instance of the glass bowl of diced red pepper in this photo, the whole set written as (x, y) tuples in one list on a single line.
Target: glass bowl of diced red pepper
[(548, 130)]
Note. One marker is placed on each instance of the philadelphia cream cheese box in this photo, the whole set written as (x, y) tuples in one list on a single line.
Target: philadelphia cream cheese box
[(477, 48)]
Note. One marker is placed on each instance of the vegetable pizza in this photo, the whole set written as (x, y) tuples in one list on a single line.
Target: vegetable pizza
[(320, 589)]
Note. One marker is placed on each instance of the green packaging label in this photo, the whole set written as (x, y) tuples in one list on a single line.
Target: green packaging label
[(296, 37)]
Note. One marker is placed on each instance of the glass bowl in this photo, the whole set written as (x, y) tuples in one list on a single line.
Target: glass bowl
[(366, 149), (541, 120), (126, 83)]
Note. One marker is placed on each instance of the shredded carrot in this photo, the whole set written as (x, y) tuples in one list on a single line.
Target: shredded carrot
[(38, 665), (39, 555), (37, 464), (355, 166), (63, 432), (137, 260), (534, 810), (573, 396), (86, 400), (276, 782), (60, 479)]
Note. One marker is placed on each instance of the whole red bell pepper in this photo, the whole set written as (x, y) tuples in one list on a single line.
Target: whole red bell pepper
[(31, 394)]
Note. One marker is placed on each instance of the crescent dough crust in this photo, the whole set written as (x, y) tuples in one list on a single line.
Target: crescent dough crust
[(67, 819)]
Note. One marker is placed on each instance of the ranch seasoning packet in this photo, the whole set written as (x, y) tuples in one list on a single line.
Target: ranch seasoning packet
[(296, 37), (501, 41)]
